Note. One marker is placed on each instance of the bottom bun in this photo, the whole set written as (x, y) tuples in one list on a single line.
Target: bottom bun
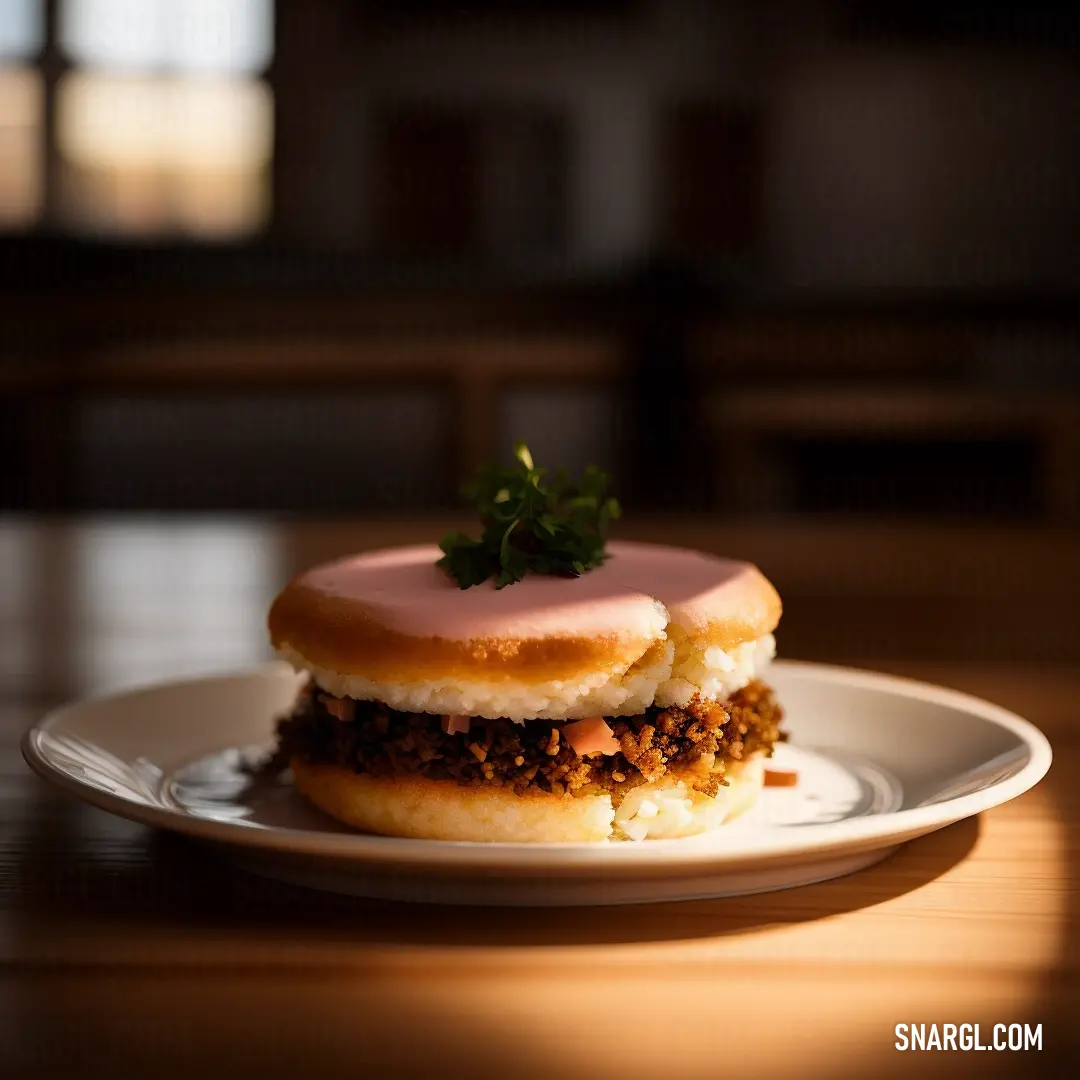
[(423, 809)]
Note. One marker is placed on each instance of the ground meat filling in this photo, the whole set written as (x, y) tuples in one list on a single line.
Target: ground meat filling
[(696, 743)]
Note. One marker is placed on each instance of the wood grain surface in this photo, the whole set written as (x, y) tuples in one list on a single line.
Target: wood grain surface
[(128, 952)]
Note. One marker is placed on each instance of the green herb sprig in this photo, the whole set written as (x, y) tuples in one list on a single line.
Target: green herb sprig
[(553, 528)]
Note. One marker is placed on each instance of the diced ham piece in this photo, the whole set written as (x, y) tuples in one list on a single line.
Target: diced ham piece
[(340, 708), (590, 736), (781, 778), (452, 724)]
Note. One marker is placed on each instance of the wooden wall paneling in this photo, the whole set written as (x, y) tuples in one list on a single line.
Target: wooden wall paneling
[(470, 369), (801, 347)]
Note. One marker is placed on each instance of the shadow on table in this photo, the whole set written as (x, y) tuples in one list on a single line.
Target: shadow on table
[(144, 878), (389, 922), (201, 964)]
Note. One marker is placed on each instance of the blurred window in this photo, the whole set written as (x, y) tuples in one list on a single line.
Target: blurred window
[(164, 126), (186, 36), (21, 26), (21, 179), (20, 146)]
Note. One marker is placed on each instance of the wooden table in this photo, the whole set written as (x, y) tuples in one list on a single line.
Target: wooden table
[(129, 952)]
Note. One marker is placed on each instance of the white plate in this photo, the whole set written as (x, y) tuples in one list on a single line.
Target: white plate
[(881, 760)]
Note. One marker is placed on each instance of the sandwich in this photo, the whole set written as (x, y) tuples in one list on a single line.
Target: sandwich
[(537, 685)]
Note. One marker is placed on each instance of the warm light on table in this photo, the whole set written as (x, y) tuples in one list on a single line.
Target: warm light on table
[(144, 951)]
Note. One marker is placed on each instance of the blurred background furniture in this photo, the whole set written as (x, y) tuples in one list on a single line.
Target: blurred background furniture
[(325, 257)]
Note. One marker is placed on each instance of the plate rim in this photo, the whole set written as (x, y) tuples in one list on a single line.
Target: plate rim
[(810, 841)]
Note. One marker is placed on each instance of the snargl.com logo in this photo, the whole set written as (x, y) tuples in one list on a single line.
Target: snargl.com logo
[(967, 1037)]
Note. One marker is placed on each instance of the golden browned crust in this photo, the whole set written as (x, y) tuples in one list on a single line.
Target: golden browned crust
[(342, 636), (422, 809), (418, 808)]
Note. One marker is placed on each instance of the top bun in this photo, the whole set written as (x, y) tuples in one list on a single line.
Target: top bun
[(652, 624)]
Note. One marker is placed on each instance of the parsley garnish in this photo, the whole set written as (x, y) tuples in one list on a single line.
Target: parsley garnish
[(557, 528)]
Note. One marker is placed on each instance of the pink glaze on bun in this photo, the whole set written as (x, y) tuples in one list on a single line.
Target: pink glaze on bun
[(393, 614)]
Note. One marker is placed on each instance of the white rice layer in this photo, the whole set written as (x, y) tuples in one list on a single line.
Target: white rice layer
[(709, 672), (616, 690), (670, 673), (669, 809)]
